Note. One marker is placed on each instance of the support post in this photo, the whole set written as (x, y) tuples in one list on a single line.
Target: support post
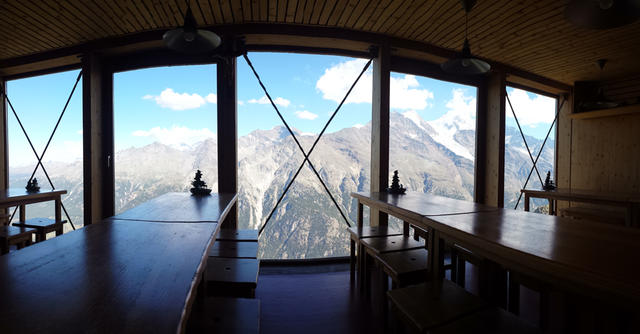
[(4, 143), (98, 147), (491, 160), (380, 129), (228, 134)]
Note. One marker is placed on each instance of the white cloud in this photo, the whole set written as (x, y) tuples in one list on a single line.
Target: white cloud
[(306, 114), (278, 101), (336, 81), (358, 126), (177, 136), (212, 98), (180, 101), (240, 102), (531, 111)]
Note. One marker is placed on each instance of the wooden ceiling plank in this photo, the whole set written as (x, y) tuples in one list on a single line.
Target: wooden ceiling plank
[(308, 10), (439, 19), (272, 10), (142, 14), (264, 10), (281, 10), (399, 18), (318, 8), (214, 6), (43, 19), (414, 18), (247, 13), (76, 17), (346, 13), (227, 13), (19, 24), (255, 10), (112, 16), (126, 22), (91, 9), (299, 16), (373, 19), (429, 16), (386, 14), (359, 21), (357, 13), (127, 15), (337, 11), (327, 12), (292, 7), (237, 10), (206, 10)]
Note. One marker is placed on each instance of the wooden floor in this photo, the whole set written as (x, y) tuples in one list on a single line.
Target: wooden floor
[(318, 298)]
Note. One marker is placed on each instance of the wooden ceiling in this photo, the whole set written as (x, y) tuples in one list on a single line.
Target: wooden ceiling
[(530, 35)]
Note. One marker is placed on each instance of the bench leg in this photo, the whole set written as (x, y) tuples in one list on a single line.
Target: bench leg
[(352, 262), (59, 231)]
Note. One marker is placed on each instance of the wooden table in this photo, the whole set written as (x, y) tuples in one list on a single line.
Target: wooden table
[(629, 201), (111, 277), (182, 207), (20, 197), (412, 206), (595, 259)]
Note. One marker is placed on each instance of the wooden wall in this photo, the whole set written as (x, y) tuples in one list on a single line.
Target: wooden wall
[(602, 153)]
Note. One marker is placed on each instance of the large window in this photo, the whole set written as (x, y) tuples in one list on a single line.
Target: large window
[(164, 130), (535, 114), (38, 102), (306, 89)]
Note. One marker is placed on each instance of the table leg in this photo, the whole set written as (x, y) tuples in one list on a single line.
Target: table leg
[(526, 202), (434, 259), (58, 209), (360, 214), (551, 206), (23, 213), (405, 228)]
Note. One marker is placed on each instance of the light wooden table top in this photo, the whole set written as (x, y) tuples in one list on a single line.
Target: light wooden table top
[(182, 207), (16, 196), (584, 195), (112, 277)]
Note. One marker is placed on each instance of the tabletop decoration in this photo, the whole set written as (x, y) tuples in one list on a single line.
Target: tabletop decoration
[(199, 186), (396, 187), (32, 186), (548, 183)]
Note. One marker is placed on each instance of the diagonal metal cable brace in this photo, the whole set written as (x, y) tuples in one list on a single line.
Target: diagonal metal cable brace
[(523, 138), (541, 148), (40, 157), (306, 154)]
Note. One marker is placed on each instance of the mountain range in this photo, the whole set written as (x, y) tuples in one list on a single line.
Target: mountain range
[(431, 156)]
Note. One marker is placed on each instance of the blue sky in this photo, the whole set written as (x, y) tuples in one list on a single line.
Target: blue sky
[(174, 104)]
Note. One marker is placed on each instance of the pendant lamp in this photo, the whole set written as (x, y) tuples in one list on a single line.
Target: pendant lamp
[(190, 39), (599, 101), (602, 14), (465, 63)]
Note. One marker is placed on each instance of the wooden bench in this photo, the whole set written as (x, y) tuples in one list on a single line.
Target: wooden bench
[(228, 277), (358, 233), (13, 235), (493, 320), (229, 315), (404, 267), (42, 226), (606, 216), (227, 234), (235, 249), (421, 310)]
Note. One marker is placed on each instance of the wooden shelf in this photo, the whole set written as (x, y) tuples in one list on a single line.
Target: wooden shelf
[(631, 109)]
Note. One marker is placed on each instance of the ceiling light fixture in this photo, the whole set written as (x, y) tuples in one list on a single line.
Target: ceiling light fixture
[(465, 63), (602, 14), (190, 39), (599, 101)]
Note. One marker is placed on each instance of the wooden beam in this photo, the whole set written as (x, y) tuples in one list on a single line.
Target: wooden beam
[(480, 175), (97, 126), (380, 129), (493, 163), (228, 133), (4, 143)]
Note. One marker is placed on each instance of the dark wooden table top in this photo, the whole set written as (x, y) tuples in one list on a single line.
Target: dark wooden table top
[(182, 207), (413, 205), (16, 196), (113, 277), (596, 259), (584, 195)]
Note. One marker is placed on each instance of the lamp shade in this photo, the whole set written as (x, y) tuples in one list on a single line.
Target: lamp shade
[(602, 14), (190, 39), (465, 63)]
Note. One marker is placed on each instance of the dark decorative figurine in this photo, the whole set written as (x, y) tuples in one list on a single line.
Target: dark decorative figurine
[(548, 183), (396, 187), (199, 186), (32, 186)]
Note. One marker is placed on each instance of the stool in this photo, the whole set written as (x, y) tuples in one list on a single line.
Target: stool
[(493, 320), (230, 277), (42, 226), (404, 267), (230, 234), (229, 315), (233, 249), (357, 233), (421, 310), (13, 235)]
